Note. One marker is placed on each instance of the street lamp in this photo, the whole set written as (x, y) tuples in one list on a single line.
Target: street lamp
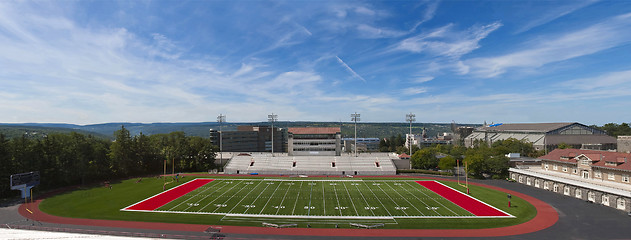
[(221, 119), (355, 117), (272, 118), (410, 118)]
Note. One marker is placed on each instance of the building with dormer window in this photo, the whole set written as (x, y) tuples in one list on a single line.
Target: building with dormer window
[(596, 176)]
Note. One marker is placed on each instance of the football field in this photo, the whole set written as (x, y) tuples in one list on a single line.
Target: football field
[(318, 198)]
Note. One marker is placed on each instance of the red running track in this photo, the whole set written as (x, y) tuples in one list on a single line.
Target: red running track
[(470, 204), (546, 217), (163, 198)]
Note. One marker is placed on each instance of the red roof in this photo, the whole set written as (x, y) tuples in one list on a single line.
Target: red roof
[(314, 130), (598, 158), (403, 156)]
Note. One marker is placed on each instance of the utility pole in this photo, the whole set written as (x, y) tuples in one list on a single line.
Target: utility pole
[(410, 118), (221, 119), (355, 117), (272, 118)]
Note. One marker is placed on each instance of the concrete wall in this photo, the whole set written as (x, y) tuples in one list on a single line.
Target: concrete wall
[(624, 144)]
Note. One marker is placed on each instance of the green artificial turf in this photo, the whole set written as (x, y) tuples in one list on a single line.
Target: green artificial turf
[(100, 202)]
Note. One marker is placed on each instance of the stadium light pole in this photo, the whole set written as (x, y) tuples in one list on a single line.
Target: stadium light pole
[(410, 118), (272, 118), (221, 119), (355, 117)]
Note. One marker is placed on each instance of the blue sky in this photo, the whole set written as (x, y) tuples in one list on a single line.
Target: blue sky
[(87, 62)]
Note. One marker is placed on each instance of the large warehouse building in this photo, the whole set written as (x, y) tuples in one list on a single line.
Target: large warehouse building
[(548, 135)]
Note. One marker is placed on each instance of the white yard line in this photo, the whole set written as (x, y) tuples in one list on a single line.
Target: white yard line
[(310, 193), (338, 200), (395, 203), (282, 201), (366, 201), (426, 205), (351, 198), (198, 200), (323, 201), (270, 197), (216, 198), (241, 197), (406, 199), (297, 197), (418, 190), (252, 203), (373, 193)]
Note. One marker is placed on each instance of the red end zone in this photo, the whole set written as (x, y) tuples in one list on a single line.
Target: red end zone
[(163, 198), (467, 202)]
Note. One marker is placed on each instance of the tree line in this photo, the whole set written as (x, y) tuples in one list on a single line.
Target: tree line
[(482, 160), (65, 159)]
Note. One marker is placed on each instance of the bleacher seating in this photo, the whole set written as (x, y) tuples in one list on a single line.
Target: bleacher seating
[(282, 164)]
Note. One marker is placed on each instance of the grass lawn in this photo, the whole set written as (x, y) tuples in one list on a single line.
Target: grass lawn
[(298, 197)]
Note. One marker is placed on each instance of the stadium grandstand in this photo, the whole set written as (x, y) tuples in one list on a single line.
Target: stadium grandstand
[(283, 164)]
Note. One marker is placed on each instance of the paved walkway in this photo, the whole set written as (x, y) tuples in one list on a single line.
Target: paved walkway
[(546, 217)]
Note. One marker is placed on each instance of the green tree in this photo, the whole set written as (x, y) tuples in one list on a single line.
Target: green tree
[(424, 159), (121, 153), (447, 163), (563, 146)]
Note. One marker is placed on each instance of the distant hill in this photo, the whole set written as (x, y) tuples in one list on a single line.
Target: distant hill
[(19, 130), (376, 130)]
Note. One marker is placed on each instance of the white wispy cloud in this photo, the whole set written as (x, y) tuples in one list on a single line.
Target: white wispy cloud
[(555, 13), (613, 81), (414, 90), (366, 31), (349, 69), (428, 14), (548, 49), (423, 79), (448, 42)]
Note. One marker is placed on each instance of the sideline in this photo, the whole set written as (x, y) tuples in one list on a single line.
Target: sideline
[(546, 217)]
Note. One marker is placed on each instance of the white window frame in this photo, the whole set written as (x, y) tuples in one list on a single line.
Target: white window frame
[(537, 183), (521, 179), (604, 200), (585, 161), (546, 185), (611, 176), (591, 196), (625, 178), (564, 168), (545, 166), (621, 204), (555, 167), (566, 190), (598, 174), (578, 193), (528, 181), (574, 170)]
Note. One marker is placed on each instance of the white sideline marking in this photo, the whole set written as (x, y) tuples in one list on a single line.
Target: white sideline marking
[(407, 182), (509, 215)]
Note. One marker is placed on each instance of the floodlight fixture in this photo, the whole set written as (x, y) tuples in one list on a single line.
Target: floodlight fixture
[(410, 118), (355, 117), (221, 119)]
